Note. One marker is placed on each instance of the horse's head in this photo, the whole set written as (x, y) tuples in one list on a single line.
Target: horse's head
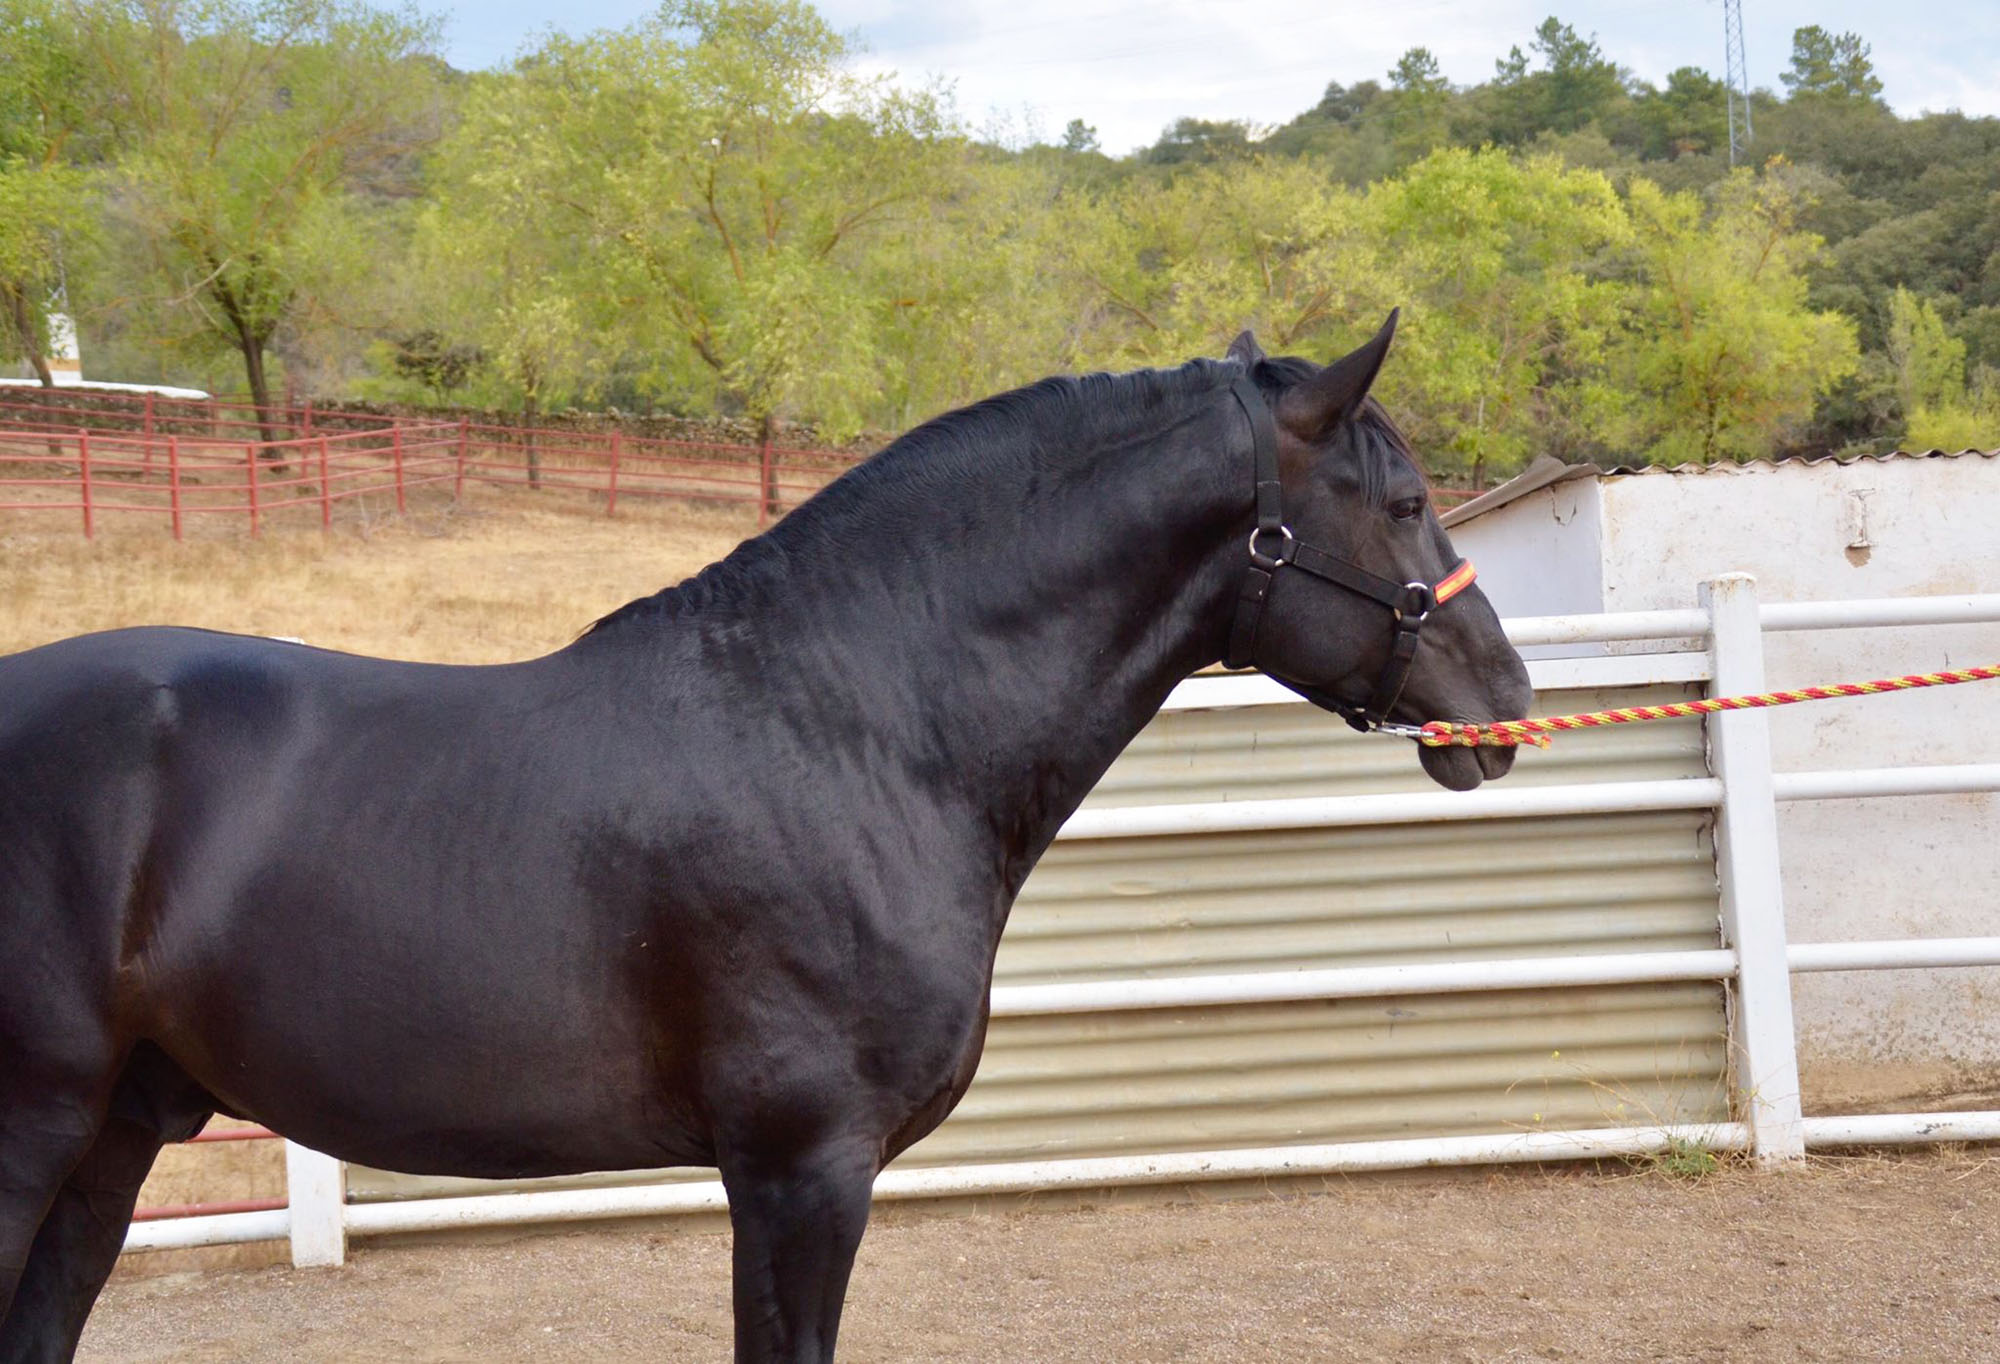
[(1353, 498)]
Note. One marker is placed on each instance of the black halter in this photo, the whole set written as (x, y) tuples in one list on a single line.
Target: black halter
[(1273, 546)]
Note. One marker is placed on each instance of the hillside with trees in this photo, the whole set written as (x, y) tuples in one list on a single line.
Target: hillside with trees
[(710, 212)]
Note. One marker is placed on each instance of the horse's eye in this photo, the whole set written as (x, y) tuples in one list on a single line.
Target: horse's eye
[(1408, 509)]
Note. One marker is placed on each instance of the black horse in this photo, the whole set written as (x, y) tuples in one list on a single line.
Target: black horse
[(718, 884)]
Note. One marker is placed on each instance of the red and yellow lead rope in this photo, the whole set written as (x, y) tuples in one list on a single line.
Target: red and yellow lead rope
[(1510, 733)]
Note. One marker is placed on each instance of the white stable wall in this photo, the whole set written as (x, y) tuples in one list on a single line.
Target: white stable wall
[(1824, 531)]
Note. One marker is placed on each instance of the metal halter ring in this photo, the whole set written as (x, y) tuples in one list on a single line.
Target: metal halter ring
[(1424, 598), (1285, 542)]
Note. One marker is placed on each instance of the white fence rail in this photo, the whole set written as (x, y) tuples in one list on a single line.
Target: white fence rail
[(1754, 958)]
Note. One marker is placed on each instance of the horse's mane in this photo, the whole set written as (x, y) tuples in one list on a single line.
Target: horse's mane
[(910, 487)]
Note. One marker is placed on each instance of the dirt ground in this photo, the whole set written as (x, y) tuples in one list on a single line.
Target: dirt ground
[(1868, 1258)]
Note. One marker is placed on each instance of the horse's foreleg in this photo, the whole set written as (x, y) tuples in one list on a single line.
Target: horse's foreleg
[(797, 1220), (37, 1152), (50, 1113), (83, 1230), (77, 1246)]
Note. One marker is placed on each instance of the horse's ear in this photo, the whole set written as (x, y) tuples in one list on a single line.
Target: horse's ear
[(1312, 409), (1245, 349)]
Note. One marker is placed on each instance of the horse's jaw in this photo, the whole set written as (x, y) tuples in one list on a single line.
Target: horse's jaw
[(1461, 769)]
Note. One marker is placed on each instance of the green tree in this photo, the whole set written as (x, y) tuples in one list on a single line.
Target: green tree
[(503, 279), (1199, 141), (45, 205), (1929, 360), (1830, 66), (1728, 348), (242, 124), (712, 196), (1419, 103), (1510, 315), (1170, 268), (1079, 136), (1940, 410), (1576, 84), (1689, 116)]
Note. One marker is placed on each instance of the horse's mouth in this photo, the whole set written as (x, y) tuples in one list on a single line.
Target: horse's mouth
[(1461, 769)]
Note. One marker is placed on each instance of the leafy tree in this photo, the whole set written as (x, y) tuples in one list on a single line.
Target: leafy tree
[(497, 269), (1179, 267), (427, 357), (1940, 410), (1417, 73), (1079, 136), (1199, 141), (1688, 117), (1830, 66), (1729, 347), (241, 124), (1929, 360), (1576, 84), (1349, 103), (1419, 103), (1510, 315), (721, 182), (1351, 132), (45, 204)]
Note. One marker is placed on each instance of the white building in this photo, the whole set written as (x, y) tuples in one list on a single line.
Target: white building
[(1563, 539)]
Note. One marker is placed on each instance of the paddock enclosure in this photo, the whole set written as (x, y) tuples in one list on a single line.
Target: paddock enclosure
[(1264, 948), (1261, 951)]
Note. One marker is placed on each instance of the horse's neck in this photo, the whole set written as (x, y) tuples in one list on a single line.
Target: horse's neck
[(1035, 644), (1003, 641)]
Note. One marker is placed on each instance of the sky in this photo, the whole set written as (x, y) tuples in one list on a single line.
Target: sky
[(1022, 69)]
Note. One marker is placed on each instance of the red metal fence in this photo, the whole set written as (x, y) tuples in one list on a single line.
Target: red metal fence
[(171, 1211), (94, 474), (93, 455)]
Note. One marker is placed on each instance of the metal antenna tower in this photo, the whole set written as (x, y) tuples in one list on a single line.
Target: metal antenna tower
[(1736, 78)]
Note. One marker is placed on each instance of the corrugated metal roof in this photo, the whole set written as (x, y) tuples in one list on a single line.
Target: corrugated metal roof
[(1547, 470)]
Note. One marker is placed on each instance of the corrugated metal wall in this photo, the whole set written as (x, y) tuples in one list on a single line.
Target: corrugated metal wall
[(1276, 1074)]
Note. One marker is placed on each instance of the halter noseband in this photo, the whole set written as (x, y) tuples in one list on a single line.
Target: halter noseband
[(1273, 546)]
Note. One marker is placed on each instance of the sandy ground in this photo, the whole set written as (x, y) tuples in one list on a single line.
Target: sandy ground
[(1857, 1259)]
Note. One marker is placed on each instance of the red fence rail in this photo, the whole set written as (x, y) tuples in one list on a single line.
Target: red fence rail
[(94, 473), (181, 459), (161, 1212)]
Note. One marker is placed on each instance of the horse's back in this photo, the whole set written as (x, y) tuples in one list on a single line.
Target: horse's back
[(151, 773)]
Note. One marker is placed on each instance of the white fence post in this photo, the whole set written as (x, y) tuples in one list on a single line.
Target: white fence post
[(1764, 1046), (316, 1187)]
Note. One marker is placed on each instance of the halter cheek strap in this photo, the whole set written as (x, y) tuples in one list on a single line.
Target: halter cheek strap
[(1273, 546)]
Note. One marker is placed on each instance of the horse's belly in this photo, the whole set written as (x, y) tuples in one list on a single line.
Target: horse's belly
[(425, 1066)]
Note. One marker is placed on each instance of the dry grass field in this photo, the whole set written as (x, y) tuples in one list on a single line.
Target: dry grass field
[(505, 575)]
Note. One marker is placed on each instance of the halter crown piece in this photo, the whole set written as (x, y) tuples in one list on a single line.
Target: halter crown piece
[(1273, 546)]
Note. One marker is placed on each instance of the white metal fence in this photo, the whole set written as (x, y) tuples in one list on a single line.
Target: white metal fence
[(1753, 957)]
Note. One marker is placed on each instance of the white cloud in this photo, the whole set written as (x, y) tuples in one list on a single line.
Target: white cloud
[(1132, 68)]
